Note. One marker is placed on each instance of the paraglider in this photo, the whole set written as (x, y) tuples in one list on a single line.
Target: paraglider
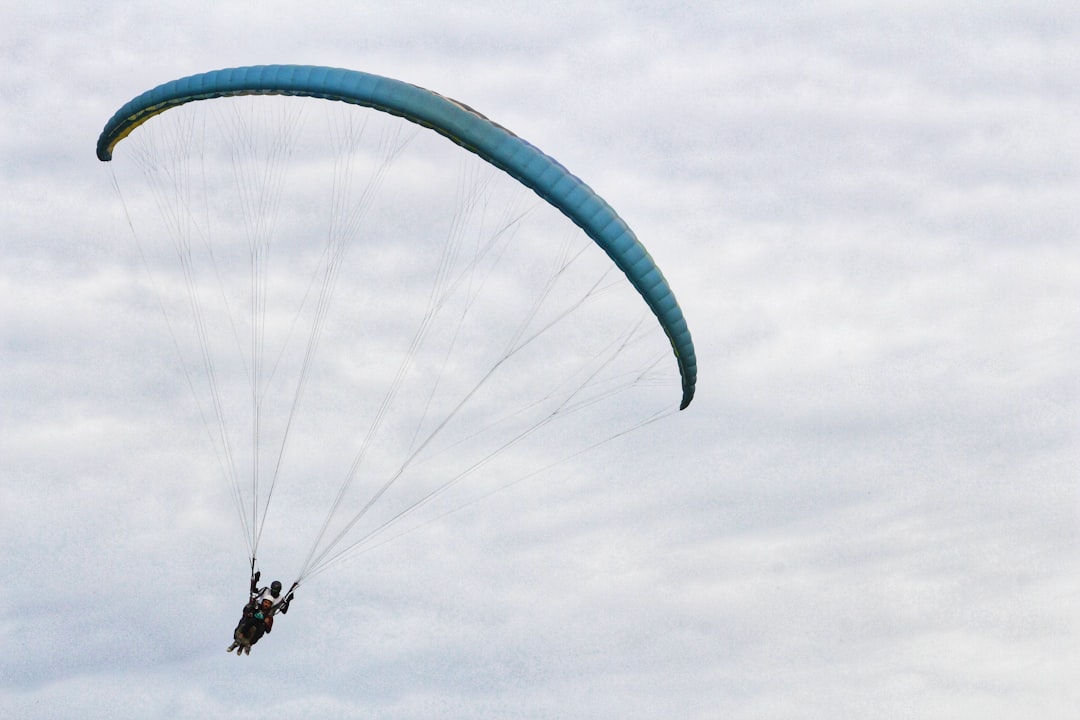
[(257, 617), (280, 248)]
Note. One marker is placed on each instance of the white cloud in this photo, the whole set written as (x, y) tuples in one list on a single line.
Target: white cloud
[(870, 509)]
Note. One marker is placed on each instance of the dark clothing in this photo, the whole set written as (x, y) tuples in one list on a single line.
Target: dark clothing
[(254, 623)]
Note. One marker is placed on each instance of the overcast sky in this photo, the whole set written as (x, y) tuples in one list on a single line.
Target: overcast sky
[(869, 215)]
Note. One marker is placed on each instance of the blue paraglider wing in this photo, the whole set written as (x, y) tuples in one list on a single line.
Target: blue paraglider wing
[(461, 124)]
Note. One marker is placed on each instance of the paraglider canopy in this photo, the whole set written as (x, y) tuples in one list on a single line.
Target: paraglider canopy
[(463, 125)]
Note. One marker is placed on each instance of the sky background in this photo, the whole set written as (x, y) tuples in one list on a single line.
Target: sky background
[(868, 213)]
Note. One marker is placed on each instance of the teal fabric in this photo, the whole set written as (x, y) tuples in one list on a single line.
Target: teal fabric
[(459, 123)]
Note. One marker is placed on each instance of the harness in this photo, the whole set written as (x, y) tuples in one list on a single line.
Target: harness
[(280, 602)]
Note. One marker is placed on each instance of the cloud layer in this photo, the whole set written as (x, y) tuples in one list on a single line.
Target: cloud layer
[(869, 218)]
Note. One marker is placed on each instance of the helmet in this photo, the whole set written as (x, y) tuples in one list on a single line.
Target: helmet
[(266, 600), (275, 587)]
